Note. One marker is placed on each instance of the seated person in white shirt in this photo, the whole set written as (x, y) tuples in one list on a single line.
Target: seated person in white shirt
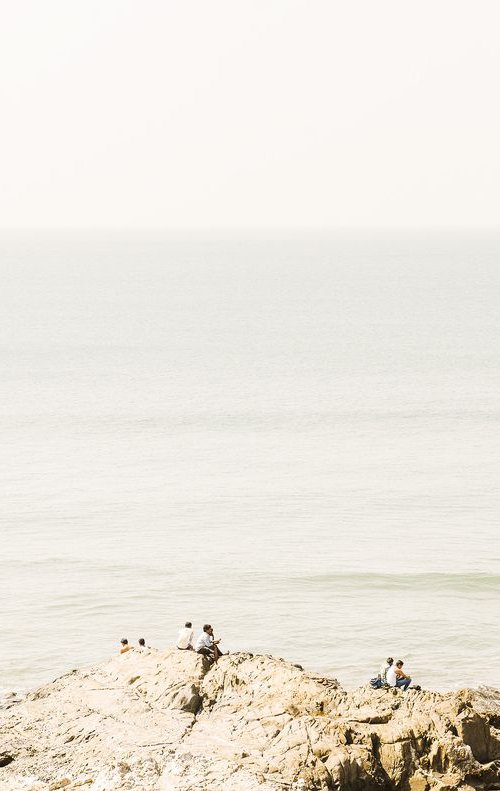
[(402, 680), (384, 668), (185, 638), (206, 644), (390, 676), (397, 678), (381, 679)]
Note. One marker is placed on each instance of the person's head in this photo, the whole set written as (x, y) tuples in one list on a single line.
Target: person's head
[(188, 625), (399, 663), (142, 641), (207, 628), (124, 641), (390, 660)]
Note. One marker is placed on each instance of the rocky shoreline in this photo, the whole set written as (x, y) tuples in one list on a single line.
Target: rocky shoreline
[(166, 721)]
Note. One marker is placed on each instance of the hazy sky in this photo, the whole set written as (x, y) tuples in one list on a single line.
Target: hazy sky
[(265, 113)]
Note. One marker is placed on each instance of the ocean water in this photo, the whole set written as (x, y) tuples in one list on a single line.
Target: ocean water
[(295, 438)]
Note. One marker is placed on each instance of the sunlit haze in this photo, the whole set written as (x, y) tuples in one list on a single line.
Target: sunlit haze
[(270, 113)]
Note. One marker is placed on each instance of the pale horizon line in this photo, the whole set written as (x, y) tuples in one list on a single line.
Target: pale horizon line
[(250, 230)]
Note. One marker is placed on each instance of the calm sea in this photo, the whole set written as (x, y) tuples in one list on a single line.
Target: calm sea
[(293, 438)]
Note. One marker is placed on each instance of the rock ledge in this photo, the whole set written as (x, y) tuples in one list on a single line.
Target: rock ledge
[(164, 721)]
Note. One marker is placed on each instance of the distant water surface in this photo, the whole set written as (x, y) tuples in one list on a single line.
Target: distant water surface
[(294, 438)]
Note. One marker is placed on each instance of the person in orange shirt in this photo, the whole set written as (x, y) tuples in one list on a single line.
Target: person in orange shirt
[(125, 646)]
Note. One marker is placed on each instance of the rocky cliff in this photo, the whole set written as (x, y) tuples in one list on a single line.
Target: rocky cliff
[(164, 721)]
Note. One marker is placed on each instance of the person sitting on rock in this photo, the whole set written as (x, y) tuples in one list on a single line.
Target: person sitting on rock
[(396, 677), (402, 680), (142, 643), (185, 637), (206, 644), (381, 680), (125, 646), (384, 668)]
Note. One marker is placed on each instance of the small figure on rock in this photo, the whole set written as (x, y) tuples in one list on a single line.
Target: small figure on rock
[(125, 646), (381, 680), (206, 644), (142, 644), (396, 677), (185, 637)]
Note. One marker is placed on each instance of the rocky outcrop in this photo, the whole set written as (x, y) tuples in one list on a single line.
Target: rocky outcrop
[(164, 721)]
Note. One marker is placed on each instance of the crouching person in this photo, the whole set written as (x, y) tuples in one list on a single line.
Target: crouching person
[(206, 645), (396, 677)]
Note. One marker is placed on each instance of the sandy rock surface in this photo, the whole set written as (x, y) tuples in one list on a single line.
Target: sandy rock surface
[(164, 721)]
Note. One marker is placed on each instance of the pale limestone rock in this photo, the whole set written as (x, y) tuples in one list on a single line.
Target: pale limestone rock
[(165, 721)]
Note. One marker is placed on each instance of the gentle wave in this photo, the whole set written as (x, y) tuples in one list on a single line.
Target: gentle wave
[(434, 580)]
